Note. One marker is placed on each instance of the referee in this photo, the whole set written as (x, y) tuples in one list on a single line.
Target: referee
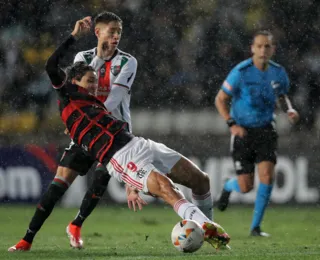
[(246, 102)]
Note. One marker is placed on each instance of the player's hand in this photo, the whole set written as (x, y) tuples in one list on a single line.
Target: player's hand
[(82, 27), (134, 199), (237, 130), (293, 116)]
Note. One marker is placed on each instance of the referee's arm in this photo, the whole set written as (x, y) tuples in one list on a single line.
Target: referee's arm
[(222, 103), (285, 104)]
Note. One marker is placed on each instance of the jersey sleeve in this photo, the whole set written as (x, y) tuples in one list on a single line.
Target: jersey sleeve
[(231, 82), (127, 74), (96, 62), (55, 73), (284, 83)]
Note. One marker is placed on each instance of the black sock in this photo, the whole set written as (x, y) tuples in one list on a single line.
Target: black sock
[(93, 195), (44, 209)]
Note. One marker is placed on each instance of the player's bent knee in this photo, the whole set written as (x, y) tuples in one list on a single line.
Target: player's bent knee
[(67, 174)]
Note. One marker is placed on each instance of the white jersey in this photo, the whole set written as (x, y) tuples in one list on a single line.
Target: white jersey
[(117, 72)]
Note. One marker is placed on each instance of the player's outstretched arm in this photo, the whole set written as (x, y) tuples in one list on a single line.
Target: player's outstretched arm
[(56, 74)]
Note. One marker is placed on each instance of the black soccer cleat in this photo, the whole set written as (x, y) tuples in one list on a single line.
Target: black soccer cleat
[(256, 232), (223, 202)]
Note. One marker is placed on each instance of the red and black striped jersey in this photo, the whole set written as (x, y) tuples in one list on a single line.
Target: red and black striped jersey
[(89, 124)]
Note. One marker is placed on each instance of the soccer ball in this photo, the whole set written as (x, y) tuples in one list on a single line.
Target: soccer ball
[(187, 236)]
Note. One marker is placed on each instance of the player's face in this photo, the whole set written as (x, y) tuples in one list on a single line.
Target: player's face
[(109, 33), (262, 48), (89, 81)]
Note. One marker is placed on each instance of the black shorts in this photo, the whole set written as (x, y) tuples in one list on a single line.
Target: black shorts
[(260, 144), (76, 159)]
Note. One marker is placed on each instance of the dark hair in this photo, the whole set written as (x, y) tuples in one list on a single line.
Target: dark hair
[(106, 17), (78, 70), (264, 33)]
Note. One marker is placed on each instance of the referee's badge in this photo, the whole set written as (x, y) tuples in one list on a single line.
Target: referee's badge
[(275, 84)]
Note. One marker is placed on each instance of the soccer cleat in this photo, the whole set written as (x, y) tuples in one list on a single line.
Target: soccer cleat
[(215, 235), (223, 202), (74, 234), (22, 245), (256, 232)]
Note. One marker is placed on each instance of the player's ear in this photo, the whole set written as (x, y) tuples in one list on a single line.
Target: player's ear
[(97, 31), (252, 49)]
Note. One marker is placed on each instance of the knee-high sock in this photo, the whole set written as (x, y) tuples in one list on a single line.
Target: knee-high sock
[(232, 185), (187, 210), (93, 195), (49, 199), (262, 200), (204, 203)]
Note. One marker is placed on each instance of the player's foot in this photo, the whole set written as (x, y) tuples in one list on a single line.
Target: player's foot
[(215, 235), (21, 246), (256, 232), (223, 202), (74, 234)]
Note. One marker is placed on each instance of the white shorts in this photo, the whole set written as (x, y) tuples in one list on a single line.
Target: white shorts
[(134, 162)]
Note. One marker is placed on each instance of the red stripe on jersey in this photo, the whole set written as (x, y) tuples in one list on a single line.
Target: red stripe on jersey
[(104, 82), (89, 127), (125, 177), (67, 111)]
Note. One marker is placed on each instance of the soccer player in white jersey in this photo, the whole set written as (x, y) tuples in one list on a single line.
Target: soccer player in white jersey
[(116, 71)]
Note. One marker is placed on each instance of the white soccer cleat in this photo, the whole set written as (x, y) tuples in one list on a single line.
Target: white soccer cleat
[(74, 234)]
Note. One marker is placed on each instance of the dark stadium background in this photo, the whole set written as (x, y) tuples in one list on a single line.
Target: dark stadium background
[(184, 51)]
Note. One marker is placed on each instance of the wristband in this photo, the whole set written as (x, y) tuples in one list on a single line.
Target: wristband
[(230, 122)]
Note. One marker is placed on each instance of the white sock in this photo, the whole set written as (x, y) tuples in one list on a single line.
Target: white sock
[(187, 210), (204, 203)]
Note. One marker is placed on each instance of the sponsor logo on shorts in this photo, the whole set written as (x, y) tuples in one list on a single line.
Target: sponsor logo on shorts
[(132, 167), (141, 173), (238, 166)]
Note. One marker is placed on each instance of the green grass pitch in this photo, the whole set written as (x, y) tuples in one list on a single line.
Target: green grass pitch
[(117, 233)]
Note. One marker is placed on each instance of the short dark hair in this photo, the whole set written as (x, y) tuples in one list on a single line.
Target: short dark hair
[(78, 70), (264, 33), (106, 17)]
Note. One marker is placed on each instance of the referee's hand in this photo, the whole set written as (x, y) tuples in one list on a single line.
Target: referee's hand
[(293, 116), (237, 130)]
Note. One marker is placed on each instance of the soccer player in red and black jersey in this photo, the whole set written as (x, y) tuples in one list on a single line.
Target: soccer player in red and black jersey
[(127, 158), (116, 71)]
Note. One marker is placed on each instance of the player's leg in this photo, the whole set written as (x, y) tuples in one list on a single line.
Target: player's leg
[(161, 186), (91, 199), (184, 172), (61, 182), (93, 195), (72, 162), (266, 160), (133, 164), (243, 158), (266, 172), (81, 162)]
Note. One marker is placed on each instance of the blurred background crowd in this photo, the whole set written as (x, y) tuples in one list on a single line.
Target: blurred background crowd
[(184, 48)]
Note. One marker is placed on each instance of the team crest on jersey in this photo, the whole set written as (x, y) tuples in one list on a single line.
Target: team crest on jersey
[(115, 70)]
